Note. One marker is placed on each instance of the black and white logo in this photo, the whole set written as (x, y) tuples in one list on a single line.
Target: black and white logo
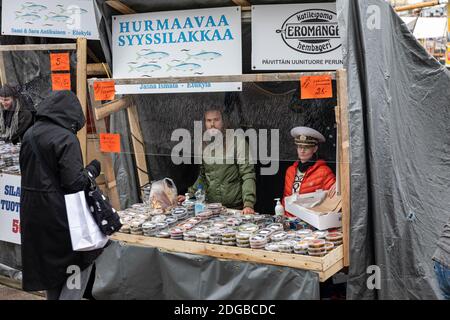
[(312, 31)]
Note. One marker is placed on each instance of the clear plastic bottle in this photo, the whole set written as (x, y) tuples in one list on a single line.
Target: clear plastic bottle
[(199, 200), (188, 204)]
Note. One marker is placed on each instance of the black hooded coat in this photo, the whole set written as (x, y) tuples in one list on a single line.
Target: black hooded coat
[(46, 245)]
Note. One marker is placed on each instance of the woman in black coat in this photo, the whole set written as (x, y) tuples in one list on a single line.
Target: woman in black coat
[(46, 245)]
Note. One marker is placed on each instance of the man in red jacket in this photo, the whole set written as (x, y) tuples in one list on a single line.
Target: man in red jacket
[(309, 173)]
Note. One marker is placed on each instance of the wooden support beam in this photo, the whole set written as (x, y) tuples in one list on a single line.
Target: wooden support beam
[(111, 107), (2, 69), (138, 145), (120, 7), (418, 5), (344, 172), (98, 69), (242, 3), (82, 91), (105, 159), (261, 77), (39, 47)]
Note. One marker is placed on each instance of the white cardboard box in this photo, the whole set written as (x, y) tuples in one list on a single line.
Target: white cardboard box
[(321, 222)]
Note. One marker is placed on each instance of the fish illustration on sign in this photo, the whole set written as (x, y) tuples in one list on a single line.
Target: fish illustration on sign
[(31, 6), (146, 67), (71, 9), (203, 55), (151, 54), (184, 67), (59, 18), (28, 17)]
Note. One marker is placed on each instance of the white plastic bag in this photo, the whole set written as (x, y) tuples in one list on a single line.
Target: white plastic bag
[(163, 194), (84, 232)]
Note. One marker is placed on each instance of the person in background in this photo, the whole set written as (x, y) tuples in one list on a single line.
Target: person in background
[(16, 114), (441, 259), (52, 166), (309, 173), (232, 184)]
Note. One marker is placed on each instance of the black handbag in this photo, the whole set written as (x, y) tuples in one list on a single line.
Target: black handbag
[(104, 214)]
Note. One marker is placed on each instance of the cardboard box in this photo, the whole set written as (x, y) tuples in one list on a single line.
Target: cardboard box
[(297, 205)]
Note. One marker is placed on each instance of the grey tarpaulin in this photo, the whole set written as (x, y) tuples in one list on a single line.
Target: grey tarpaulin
[(123, 163), (399, 114), (132, 272)]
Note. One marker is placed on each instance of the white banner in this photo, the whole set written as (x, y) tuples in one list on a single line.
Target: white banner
[(50, 18), (204, 42), (10, 208), (296, 37)]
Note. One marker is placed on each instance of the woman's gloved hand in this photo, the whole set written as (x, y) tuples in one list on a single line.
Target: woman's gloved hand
[(94, 168)]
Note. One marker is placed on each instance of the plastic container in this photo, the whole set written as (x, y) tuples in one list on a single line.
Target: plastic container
[(317, 244), (334, 236), (278, 236)]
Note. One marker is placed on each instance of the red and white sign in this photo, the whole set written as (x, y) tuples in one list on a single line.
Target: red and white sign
[(10, 208)]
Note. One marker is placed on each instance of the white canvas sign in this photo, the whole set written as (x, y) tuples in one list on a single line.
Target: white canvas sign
[(49, 18), (204, 42), (10, 208), (296, 37)]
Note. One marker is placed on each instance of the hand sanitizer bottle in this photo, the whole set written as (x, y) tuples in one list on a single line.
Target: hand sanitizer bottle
[(279, 212)]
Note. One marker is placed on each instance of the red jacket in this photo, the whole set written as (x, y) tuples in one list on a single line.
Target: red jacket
[(318, 176)]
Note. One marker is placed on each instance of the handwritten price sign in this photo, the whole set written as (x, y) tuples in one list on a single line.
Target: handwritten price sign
[(110, 142), (104, 90), (59, 61), (316, 87), (60, 81)]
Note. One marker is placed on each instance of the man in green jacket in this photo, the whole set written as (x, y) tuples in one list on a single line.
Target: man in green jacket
[(227, 177)]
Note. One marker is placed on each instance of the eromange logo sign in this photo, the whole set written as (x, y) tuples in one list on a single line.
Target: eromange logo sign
[(312, 31)]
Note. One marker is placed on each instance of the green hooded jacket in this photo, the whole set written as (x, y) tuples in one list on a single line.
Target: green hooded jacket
[(230, 180)]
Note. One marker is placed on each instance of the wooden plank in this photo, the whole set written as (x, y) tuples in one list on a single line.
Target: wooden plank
[(120, 7), (39, 47), (138, 145), (82, 91), (16, 284), (242, 3), (98, 69), (227, 252), (325, 275), (332, 257), (12, 283), (111, 107), (95, 69), (2, 69), (345, 161), (421, 5), (260, 77), (105, 159)]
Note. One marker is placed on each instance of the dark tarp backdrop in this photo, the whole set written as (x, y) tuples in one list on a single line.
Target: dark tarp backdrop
[(399, 111)]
